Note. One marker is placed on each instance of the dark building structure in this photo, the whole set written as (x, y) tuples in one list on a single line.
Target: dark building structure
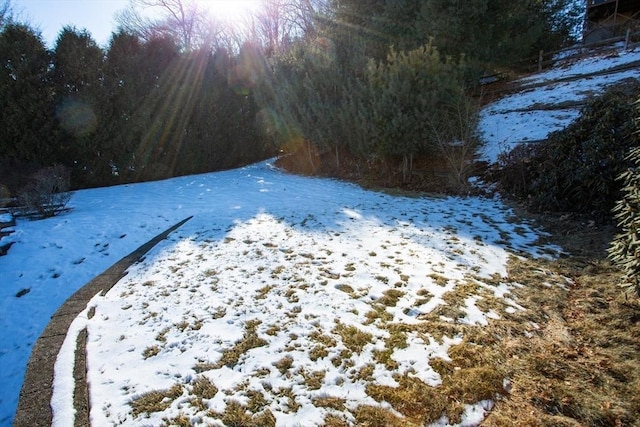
[(610, 18)]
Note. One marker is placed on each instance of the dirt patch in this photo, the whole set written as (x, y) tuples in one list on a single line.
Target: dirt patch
[(428, 174)]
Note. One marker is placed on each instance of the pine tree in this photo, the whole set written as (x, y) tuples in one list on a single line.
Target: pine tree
[(497, 31), (80, 98), (26, 103), (625, 249), (412, 92)]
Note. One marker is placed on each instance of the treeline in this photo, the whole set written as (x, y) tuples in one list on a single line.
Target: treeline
[(381, 92), (139, 111), (355, 85)]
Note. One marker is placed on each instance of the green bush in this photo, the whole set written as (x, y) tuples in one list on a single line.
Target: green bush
[(625, 248), (575, 169), (315, 102), (416, 94)]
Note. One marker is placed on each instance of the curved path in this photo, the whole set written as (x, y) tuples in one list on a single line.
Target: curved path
[(34, 407)]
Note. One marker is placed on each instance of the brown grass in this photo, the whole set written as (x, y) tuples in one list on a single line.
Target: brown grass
[(237, 415), (412, 398), (378, 311), (313, 380), (332, 420), (151, 351), (284, 364), (179, 421), (390, 297), (375, 416), (154, 401), (330, 402), (582, 367), (204, 388), (291, 404), (231, 356), (571, 358), (353, 338)]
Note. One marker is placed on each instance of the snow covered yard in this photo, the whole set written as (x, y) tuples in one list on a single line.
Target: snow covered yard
[(302, 312), (285, 299), (305, 297)]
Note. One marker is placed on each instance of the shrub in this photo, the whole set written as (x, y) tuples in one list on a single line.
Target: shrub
[(575, 169), (322, 105), (625, 248), (416, 95), (47, 192), (408, 108)]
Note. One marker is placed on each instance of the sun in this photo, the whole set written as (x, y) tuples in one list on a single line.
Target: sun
[(230, 10)]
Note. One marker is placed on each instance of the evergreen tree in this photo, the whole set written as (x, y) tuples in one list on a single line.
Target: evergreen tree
[(26, 107), (80, 99), (221, 131), (161, 93), (414, 94), (126, 89), (320, 99), (496, 31), (355, 31)]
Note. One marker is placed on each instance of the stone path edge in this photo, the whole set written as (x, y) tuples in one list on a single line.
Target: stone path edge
[(34, 405)]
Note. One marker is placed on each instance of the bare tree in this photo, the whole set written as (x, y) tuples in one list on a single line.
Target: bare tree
[(279, 22), (183, 20), (273, 26), (457, 140), (6, 12)]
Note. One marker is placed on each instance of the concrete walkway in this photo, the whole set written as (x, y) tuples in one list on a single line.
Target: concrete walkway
[(34, 407)]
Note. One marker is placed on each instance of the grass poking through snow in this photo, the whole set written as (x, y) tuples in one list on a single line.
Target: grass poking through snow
[(546, 342)]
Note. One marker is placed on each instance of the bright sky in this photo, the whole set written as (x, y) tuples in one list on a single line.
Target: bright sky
[(98, 16), (50, 16)]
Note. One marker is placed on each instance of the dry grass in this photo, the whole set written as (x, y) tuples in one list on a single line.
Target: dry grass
[(204, 388), (231, 356), (262, 292), (154, 401), (237, 415), (257, 401), (571, 358), (178, 421), (346, 289), (284, 364), (318, 352), (375, 416), (582, 366), (412, 398), (291, 404), (353, 338), (332, 420), (150, 351), (378, 311), (313, 380), (390, 297), (330, 402)]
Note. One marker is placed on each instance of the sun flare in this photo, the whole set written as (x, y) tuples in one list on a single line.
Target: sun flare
[(230, 10)]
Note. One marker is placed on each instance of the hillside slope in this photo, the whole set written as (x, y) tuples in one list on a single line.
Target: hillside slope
[(549, 101)]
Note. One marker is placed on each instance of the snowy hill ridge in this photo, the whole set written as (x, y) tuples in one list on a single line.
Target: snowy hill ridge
[(550, 100)]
